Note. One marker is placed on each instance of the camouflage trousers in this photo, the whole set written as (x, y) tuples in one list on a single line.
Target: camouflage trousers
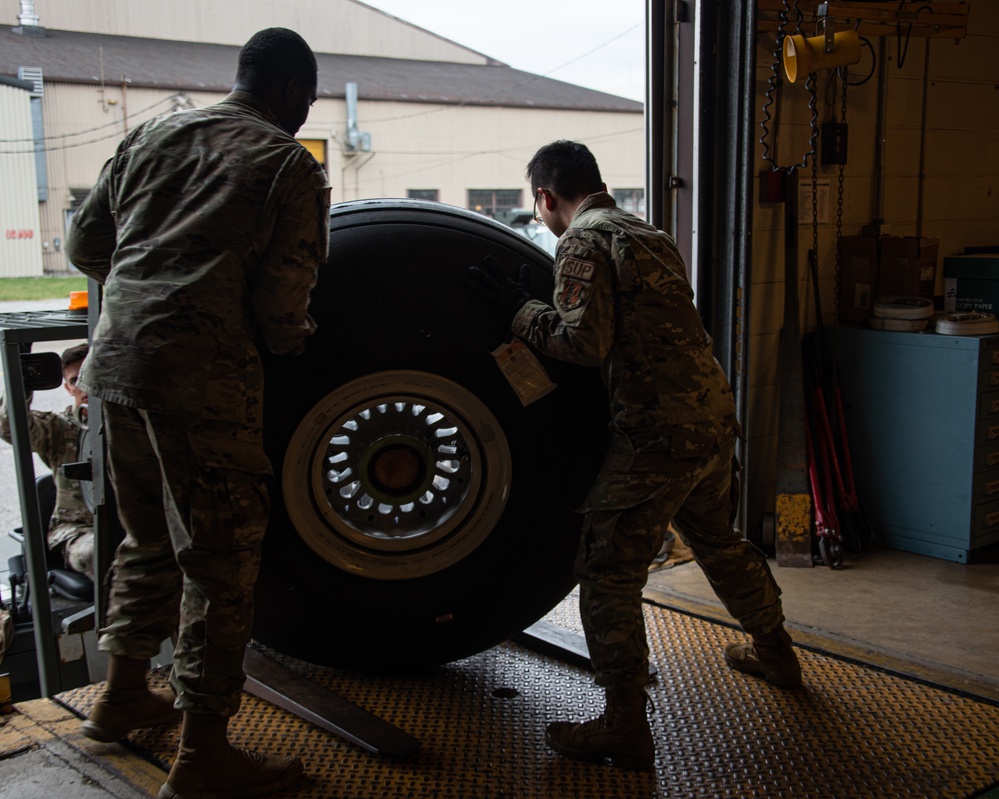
[(78, 553), (192, 499), (690, 479)]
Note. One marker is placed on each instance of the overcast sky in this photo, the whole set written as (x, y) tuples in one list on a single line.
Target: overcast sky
[(592, 43)]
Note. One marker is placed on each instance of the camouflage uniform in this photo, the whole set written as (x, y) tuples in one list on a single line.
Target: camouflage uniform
[(206, 228), (56, 439), (623, 303)]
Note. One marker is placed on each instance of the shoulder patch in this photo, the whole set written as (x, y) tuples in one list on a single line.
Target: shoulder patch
[(574, 269), (571, 295)]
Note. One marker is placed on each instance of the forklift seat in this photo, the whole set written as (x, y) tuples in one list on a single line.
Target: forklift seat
[(62, 581)]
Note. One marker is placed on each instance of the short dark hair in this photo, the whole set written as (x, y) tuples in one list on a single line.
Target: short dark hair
[(567, 168), (73, 355), (276, 54)]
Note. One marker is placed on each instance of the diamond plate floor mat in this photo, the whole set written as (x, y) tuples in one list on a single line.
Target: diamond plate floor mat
[(851, 731)]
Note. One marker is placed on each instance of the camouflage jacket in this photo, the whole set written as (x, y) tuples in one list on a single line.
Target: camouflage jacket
[(623, 302), (56, 439), (207, 228)]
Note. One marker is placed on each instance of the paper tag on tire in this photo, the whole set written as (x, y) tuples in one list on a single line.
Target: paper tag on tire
[(523, 371)]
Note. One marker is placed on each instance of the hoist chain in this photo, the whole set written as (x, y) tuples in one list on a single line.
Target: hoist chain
[(815, 206), (815, 209), (774, 83), (839, 201)]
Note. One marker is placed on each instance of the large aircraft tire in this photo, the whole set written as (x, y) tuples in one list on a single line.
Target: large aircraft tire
[(421, 512)]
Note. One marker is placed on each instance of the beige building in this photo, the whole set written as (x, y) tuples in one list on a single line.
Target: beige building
[(402, 112), (20, 255)]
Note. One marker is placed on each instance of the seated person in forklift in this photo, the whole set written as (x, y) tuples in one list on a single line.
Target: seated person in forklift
[(56, 439), (622, 302)]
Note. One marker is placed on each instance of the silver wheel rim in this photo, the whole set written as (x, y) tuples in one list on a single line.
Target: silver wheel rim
[(396, 475)]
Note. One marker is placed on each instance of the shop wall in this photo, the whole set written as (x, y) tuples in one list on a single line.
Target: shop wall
[(960, 190)]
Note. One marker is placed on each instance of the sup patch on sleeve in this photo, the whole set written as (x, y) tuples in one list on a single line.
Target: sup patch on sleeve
[(573, 269)]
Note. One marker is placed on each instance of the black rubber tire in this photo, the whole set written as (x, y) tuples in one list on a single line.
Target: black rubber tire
[(393, 296)]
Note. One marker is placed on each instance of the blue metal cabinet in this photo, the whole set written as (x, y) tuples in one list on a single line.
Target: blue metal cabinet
[(922, 413)]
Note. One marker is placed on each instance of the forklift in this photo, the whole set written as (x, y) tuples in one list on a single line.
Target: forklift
[(51, 608)]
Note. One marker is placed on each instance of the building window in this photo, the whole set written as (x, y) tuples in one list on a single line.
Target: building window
[(317, 147), (489, 201), (423, 194), (631, 200)]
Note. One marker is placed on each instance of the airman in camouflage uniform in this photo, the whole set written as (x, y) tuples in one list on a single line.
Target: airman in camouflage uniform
[(622, 302), (207, 228), (56, 439)]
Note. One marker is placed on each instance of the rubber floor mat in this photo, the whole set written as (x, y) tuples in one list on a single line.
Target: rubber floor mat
[(851, 731)]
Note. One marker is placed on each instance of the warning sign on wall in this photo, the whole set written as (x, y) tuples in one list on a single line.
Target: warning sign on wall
[(805, 201)]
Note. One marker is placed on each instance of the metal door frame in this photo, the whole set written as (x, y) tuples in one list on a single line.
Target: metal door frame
[(700, 98)]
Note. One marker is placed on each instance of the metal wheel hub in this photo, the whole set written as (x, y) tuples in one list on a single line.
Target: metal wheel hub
[(396, 474)]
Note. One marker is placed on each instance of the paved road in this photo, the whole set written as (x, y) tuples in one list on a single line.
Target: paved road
[(54, 400)]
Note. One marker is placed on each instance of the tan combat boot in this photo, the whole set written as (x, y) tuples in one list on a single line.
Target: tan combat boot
[(621, 733), (770, 656), (127, 704), (208, 767)]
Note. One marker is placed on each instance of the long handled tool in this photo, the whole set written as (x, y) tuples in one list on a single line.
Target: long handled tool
[(827, 416), (826, 522), (823, 466)]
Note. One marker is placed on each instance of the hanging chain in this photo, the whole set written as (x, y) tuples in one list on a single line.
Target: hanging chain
[(775, 83), (814, 255), (815, 206), (811, 86), (839, 199)]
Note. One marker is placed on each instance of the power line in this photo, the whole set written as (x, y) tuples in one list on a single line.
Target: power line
[(444, 153), (114, 123), (527, 82), (449, 158), (595, 49), (55, 148)]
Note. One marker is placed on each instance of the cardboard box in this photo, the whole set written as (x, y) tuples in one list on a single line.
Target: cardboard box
[(908, 266), (971, 283), (858, 277)]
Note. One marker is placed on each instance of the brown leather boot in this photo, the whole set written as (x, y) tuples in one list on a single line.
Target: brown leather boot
[(127, 704), (770, 656), (621, 733), (207, 767)]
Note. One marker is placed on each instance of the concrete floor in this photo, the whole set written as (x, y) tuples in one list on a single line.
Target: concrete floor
[(929, 618), (41, 749)]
